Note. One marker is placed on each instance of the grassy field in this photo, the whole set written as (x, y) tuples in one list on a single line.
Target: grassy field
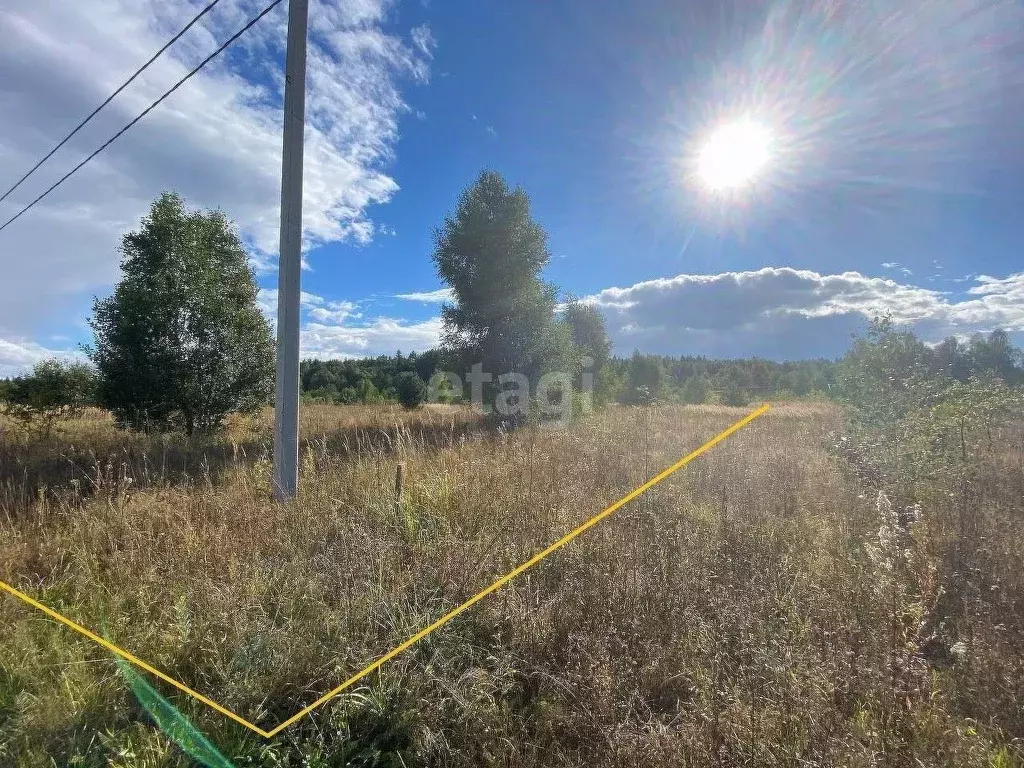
[(764, 606)]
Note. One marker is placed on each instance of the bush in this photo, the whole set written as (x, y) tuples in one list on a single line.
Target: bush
[(54, 391), (734, 396), (695, 390), (411, 390)]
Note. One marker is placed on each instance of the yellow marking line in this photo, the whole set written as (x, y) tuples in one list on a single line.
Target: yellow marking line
[(423, 632)]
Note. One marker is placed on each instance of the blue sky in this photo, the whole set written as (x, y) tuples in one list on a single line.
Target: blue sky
[(893, 182)]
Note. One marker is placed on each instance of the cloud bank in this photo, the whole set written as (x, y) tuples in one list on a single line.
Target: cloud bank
[(781, 312)]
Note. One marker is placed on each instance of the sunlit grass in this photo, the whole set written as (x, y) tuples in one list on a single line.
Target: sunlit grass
[(729, 616)]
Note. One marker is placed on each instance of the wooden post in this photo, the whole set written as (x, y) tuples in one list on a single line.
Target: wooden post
[(399, 486), (725, 510)]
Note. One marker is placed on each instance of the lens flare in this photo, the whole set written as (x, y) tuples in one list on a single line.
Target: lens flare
[(827, 114), (734, 155)]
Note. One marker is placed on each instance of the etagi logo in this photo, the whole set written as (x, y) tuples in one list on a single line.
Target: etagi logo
[(514, 396)]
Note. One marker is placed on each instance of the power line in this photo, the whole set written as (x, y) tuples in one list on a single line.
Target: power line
[(110, 98), (146, 111)]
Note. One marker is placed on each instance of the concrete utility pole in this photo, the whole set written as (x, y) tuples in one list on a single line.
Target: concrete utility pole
[(286, 403)]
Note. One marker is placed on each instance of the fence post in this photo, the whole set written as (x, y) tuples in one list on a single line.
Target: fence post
[(399, 486)]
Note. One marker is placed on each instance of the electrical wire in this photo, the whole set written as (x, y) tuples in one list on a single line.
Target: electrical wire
[(145, 112), (110, 98)]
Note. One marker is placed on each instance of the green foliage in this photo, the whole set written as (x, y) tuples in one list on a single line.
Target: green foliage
[(996, 356), (54, 391), (691, 380), (181, 342), (646, 379), (491, 252), (960, 415), (916, 411), (590, 344), (688, 379), (441, 390), (412, 390), (368, 380), (734, 396), (884, 375), (695, 390), (587, 326)]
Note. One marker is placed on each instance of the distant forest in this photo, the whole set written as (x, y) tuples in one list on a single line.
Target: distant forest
[(670, 379), (684, 379)]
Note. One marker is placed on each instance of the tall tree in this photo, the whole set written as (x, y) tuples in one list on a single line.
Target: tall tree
[(590, 339), (491, 252), (589, 334), (181, 342)]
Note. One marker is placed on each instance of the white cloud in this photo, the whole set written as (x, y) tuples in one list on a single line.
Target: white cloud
[(382, 336), (266, 299), (337, 329), (428, 297), (216, 140), (17, 357), (423, 39), (785, 312), (335, 312)]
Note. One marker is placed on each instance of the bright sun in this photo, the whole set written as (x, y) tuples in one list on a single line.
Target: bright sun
[(733, 155)]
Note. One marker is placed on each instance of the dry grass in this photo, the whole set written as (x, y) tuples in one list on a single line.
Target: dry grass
[(731, 616)]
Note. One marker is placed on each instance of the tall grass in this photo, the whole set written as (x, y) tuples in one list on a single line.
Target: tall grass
[(753, 609)]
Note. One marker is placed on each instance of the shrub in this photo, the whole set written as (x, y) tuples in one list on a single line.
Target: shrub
[(54, 391), (734, 396), (411, 390)]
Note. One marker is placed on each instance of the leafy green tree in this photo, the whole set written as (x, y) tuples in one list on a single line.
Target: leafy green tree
[(491, 252), (917, 412), (951, 358), (54, 391), (590, 340), (995, 355), (733, 394), (960, 419), (885, 375), (587, 326), (695, 390), (181, 342), (411, 389), (366, 392), (646, 379)]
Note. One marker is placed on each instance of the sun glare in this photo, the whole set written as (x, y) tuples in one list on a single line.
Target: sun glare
[(733, 155)]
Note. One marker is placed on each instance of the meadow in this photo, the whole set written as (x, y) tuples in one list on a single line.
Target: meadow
[(771, 604)]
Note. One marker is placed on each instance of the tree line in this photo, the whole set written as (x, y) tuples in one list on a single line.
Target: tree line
[(58, 390), (685, 379), (636, 379)]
